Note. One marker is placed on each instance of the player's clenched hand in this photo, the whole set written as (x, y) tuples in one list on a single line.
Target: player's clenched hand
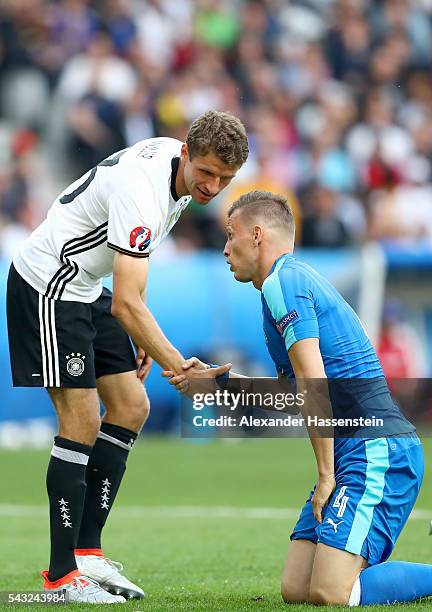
[(325, 487), (194, 362), (144, 363), (180, 382), (195, 370)]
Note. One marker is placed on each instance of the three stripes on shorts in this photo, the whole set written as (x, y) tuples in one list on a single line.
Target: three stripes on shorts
[(55, 289)]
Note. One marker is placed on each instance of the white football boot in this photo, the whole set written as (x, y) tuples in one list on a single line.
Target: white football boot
[(81, 589), (107, 574)]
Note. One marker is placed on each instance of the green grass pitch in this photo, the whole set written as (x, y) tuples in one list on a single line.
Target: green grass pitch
[(201, 526)]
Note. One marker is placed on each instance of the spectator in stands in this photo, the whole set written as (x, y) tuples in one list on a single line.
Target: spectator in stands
[(322, 227), (335, 93), (96, 85), (403, 212), (398, 347)]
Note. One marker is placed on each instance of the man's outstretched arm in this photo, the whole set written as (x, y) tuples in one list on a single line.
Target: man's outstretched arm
[(130, 282), (130, 276)]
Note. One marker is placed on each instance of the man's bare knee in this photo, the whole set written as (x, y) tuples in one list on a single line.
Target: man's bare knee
[(134, 419), (324, 595), (78, 413), (334, 573), (293, 592), (132, 414), (297, 572), (141, 409)]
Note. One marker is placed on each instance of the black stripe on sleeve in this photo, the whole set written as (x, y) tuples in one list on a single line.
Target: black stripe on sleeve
[(81, 239), (126, 252)]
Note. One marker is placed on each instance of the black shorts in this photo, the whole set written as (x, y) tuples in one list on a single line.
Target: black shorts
[(63, 344)]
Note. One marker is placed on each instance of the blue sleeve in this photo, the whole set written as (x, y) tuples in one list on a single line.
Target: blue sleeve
[(290, 300)]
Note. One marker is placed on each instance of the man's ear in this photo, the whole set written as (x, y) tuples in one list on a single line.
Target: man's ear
[(184, 151), (257, 235)]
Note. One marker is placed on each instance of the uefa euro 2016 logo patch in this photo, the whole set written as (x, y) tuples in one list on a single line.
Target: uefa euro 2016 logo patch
[(140, 237), (286, 320)]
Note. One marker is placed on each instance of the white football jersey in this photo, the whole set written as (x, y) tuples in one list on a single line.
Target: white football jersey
[(127, 203)]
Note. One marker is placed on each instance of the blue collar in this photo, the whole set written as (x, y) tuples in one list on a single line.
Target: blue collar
[(278, 259)]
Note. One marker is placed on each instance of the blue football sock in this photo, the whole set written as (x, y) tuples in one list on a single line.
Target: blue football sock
[(395, 581)]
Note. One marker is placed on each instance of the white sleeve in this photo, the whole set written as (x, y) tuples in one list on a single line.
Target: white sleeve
[(132, 223)]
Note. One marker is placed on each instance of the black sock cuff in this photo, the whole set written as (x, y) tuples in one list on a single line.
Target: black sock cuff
[(122, 434), (73, 446)]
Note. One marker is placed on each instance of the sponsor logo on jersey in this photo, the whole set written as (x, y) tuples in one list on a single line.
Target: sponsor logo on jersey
[(286, 320), (140, 237)]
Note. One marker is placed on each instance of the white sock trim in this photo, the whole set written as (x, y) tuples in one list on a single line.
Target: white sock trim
[(69, 455), (354, 599), (113, 440)]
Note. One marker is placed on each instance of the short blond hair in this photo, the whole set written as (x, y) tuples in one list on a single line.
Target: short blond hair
[(273, 207), (220, 133)]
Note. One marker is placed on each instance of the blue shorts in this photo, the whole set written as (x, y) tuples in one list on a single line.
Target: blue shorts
[(377, 483)]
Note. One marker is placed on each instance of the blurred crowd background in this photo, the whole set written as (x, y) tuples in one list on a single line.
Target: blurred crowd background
[(336, 96)]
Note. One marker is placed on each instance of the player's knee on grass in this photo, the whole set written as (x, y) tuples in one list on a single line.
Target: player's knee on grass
[(325, 594), (333, 575), (297, 571), (294, 592)]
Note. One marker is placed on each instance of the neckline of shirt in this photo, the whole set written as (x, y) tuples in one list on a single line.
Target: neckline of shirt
[(278, 260), (175, 162)]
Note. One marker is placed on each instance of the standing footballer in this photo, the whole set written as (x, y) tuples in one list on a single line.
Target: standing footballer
[(70, 335), (367, 484)]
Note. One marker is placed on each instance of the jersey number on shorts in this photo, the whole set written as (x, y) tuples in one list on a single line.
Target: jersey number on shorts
[(109, 161), (341, 502)]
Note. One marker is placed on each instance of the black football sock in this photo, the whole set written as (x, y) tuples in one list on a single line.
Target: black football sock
[(105, 471), (66, 488)]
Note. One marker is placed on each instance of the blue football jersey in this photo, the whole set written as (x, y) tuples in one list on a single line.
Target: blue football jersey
[(299, 303)]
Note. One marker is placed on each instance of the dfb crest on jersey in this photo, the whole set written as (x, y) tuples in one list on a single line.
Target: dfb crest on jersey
[(140, 237), (75, 364)]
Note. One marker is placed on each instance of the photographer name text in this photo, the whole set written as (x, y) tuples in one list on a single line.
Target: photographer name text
[(288, 421)]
